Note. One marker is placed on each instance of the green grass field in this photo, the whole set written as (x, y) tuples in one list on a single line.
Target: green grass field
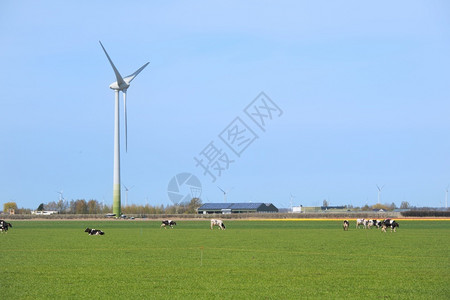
[(251, 259)]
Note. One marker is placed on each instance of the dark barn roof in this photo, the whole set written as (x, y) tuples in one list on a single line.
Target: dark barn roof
[(236, 208)]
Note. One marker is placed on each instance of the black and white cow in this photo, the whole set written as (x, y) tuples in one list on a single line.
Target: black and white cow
[(373, 222), (378, 223), (360, 222), (218, 223), (94, 231), (345, 225), (168, 223), (389, 223), (4, 226)]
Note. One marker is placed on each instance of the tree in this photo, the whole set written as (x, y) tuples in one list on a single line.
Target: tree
[(93, 207), (193, 206), (62, 206), (380, 206), (405, 205), (392, 206), (365, 208), (40, 207), (52, 205), (81, 207), (9, 205), (325, 203)]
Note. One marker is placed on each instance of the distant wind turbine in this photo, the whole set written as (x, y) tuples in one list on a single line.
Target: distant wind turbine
[(121, 84), (224, 194), (379, 192), (61, 197), (446, 196), (290, 199), (126, 193)]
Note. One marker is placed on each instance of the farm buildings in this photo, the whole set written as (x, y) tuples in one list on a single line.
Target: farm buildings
[(228, 208)]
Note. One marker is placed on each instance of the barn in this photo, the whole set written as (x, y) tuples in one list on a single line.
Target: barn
[(236, 208)]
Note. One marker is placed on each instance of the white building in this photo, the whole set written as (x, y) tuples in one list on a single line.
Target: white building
[(44, 212), (297, 209)]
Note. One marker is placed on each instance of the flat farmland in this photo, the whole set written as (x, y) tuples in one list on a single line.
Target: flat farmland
[(250, 259)]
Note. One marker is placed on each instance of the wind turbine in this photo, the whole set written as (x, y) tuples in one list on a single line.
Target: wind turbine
[(126, 193), (446, 196), (290, 199), (379, 192), (61, 197), (121, 84), (224, 194)]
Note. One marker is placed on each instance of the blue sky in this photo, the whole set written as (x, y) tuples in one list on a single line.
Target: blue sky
[(363, 89)]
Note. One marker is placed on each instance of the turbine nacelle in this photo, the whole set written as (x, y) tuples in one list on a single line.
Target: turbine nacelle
[(116, 86), (122, 83)]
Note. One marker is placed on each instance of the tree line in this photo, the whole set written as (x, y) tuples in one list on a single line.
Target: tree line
[(81, 206)]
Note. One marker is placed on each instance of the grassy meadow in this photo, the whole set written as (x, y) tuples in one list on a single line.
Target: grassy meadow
[(250, 259)]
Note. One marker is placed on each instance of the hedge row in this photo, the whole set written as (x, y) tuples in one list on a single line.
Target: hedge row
[(426, 213)]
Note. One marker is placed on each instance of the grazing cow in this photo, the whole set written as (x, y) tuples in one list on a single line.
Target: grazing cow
[(389, 223), (218, 223), (4, 226), (345, 225), (360, 222), (94, 231), (168, 223), (371, 223), (378, 223)]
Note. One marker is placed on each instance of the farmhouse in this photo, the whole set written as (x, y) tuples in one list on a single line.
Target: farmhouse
[(228, 208)]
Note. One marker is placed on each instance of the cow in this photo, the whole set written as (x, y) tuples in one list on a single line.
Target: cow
[(378, 223), (373, 222), (389, 223), (345, 225), (4, 226), (218, 223), (360, 222), (94, 231), (168, 223)]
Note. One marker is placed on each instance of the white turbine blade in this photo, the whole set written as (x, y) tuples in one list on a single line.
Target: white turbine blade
[(119, 78), (125, 112), (222, 190), (132, 76)]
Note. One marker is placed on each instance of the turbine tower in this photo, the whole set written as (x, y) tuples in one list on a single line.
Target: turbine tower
[(292, 197), (379, 192), (61, 197), (121, 84), (126, 193), (446, 196)]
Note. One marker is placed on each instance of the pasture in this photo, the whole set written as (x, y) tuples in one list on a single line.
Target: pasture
[(250, 259)]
